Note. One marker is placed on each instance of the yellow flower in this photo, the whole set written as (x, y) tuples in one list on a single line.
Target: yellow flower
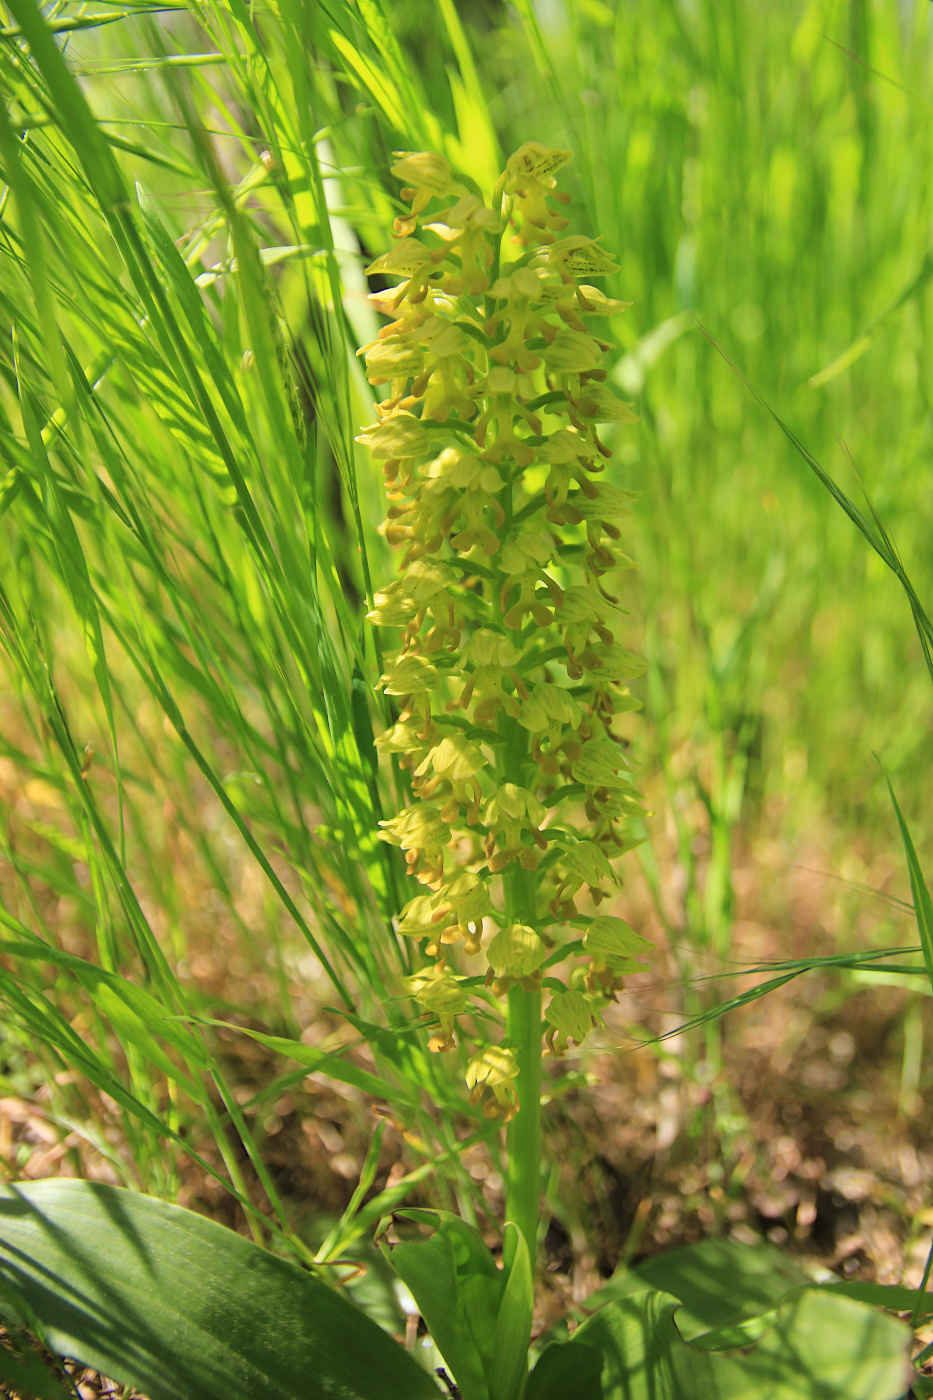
[(529, 176), (570, 1017), (411, 679), (581, 864), (503, 389), (459, 909), (412, 261), (401, 440), (515, 955), (511, 811), (455, 761), (523, 562), (602, 769), (545, 713), (464, 228), (493, 658), (422, 833), (443, 996), (426, 175), (489, 1076), (405, 739), (613, 946)]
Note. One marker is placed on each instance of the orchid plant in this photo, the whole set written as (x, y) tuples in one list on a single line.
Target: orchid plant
[(507, 669)]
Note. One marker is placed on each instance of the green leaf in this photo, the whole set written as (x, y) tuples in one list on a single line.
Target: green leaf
[(803, 1338), (321, 1062), (566, 1369), (24, 1372), (721, 1282), (509, 1365), (824, 1347), (175, 1305), (884, 1295), (644, 1356), (923, 904), (454, 1280)]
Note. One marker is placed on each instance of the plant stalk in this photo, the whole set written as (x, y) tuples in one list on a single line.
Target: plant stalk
[(524, 1132)]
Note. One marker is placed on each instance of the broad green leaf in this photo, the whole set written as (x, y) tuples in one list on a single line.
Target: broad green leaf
[(509, 1364), (175, 1305), (566, 1369), (721, 1282), (819, 1348), (458, 1288), (644, 1356), (824, 1347), (741, 1296)]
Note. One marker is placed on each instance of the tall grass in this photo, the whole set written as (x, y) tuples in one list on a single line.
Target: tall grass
[(189, 532)]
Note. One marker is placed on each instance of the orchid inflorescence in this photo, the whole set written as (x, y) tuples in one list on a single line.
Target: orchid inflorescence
[(508, 671)]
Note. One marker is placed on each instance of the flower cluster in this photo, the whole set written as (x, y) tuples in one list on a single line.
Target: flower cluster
[(507, 668)]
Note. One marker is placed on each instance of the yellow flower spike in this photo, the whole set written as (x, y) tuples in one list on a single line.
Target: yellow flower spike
[(511, 811), (515, 955), (455, 762), (483, 382), (489, 1077), (570, 1017)]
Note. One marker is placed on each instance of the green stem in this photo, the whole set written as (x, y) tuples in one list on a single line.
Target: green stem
[(520, 889), (524, 1132)]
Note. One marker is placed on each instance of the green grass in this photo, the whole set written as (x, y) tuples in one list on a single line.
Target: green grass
[(189, 533)]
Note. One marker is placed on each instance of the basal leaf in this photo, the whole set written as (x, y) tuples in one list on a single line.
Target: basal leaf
[(509, 1364), (183, 1309)]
